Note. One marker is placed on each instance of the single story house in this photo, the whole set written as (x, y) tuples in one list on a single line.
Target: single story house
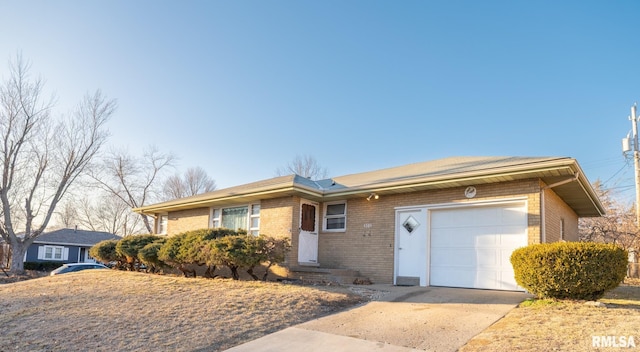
[(66, 246), (448, 222)]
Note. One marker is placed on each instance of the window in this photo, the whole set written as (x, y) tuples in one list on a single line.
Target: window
[(52, 253), (335, 217), (254, 226), (308, 218), (244, 217), (215, 218), (562, 230), (162, 224), (235, 218)]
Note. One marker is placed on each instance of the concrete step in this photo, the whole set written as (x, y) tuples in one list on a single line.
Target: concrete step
[(341, 276)]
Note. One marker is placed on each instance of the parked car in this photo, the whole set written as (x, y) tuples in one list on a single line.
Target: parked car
[(73, 267)]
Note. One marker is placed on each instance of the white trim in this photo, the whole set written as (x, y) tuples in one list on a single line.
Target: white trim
[(325, 217)]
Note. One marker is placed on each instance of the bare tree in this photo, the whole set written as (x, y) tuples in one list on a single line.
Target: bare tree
[(617, 226), (107, 213), (41, 156), (305, 166), (134, 180), (194, 181), (67, 214)]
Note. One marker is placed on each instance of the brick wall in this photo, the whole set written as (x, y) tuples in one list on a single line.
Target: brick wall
[(558, 211), (276, 220), (185, 220)]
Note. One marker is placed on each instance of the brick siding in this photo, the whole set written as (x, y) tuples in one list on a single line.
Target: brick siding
[(556, 211), (185, 220)]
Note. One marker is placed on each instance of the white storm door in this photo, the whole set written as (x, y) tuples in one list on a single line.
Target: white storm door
[(411, 247), (308, 237)]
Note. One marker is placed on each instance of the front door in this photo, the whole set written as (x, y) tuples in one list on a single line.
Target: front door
[(411, 247), (308, 233)]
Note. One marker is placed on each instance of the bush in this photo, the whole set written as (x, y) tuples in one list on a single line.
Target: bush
[(185, 249), (569, 270), (266, 250), (148, 255), (42, 266), (130, 246), (230, 251), (105, 252), (245, 251)]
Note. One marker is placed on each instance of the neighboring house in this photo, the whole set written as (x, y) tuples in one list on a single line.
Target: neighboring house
[(449, 222), (66, 246)]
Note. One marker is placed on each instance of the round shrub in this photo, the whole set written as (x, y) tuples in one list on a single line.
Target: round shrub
[(569, 270), (105, 251)]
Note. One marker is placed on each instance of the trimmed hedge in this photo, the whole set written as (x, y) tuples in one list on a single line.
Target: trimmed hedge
[(148, 255), (569, 270), (42, 266)]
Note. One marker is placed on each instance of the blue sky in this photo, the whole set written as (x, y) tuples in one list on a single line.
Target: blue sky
[(242, 87)]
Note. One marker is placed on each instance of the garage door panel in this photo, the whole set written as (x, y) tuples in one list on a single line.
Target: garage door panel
[(486, 238), (487, 279), (444, 238), (453, 276), (472, 246), (513, 216), (487, 257), (453, 257)]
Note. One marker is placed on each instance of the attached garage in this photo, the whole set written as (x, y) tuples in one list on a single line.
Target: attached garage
[(460, 246)]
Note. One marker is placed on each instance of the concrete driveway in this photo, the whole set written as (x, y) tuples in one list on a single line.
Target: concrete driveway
[(402, 319)]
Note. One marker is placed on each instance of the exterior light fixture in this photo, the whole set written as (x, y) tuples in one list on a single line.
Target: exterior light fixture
[(373, 195)]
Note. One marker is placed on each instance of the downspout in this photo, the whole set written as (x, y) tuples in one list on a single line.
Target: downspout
[(543, 227)]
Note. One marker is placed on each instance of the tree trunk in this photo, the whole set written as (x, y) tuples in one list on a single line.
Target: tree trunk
[(234, 272), (253, 275), (266, 271), (18, 250), (209, 273)]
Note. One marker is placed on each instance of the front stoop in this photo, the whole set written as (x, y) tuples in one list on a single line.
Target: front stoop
[(310, 274)]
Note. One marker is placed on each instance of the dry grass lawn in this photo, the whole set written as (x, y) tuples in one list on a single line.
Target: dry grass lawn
[(114, 310), (547, 325)]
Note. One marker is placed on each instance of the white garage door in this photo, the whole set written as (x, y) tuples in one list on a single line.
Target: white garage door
[(471, 246)]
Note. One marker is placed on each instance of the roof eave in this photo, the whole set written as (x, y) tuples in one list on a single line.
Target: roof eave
[(239, 198), (546, 170)]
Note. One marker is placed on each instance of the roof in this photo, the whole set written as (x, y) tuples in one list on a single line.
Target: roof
[(435, 174), (82, 238)]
